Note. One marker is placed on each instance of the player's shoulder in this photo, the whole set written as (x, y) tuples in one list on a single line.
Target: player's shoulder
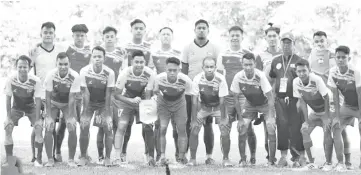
[(314, 77), (33, 78), (297, 81), (239, 74), (73, 73), (148, 71), (85, 69), (107, 70), (52, 72), (333, 69), (161, 75), (183, 76), (277, 58), (60, 47), (147, 44), (259, 73), (13, 76), (198, 76), (220, 77)]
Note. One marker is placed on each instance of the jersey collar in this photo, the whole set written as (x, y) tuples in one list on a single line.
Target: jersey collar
[(49, 51), (17, 77), (65, 77), (200, 45), (92, 69)]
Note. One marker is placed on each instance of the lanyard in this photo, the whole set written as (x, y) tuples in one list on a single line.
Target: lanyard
[(288, 65)]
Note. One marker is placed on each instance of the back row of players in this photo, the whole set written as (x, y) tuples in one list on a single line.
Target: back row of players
[(234, 85)]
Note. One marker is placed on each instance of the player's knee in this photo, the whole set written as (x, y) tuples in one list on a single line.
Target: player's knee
[(122, 128), (84, 123), (49, 124), (71, 124), (271, 128), (304, 130), (163, 130), (224, 131), (272, 137), (195, 130), (243, 136), (9, 129), (250, 131)]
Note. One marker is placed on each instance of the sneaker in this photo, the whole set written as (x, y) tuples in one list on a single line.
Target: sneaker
[(282, 162), (146, 158), (33, 159), (252, 161), (38, 164), (157, 158), (183, 161), (58, 158), (176, 156), (326, 167), (107, 162), (117, 162), (274, 160), (242, 163), (210, 161), (50, 163), (163, 161), (87, 157), (296, 164), (227, 163), (151, 162), (83, 161), (123, 158), (270, 164), (100, 161), (310, 166), (340, 167), (303, 161), (72, 163), (349, 166), (192, 162)]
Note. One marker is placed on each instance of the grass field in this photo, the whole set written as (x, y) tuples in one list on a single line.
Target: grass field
[(137, 166)]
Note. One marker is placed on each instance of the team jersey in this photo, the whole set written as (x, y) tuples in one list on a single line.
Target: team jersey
[(312, 93), (253, 89), (160, 57), (172, 94), (78, 57), (23, 92), (145, 47), (278, 71), (116, 60), (230, 62), (210, 91), (347, 83), (264, 59), (96, 83), (60, 88), (134, 86), (321, 61), (193, 55)]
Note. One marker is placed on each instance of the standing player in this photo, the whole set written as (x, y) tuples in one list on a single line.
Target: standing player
[(159, 59), (44, 59), (310, 90), (26, 90), (192, 57), (115, 60), (211, 88), (132, 83), (230, 63), (79, 56), (170, 88), (345, 79), (97, 82), (254, 85), (60, 85), (137, 44), (289, 121)]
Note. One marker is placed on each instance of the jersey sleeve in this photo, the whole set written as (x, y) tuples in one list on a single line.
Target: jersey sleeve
[(111, 79), (330, 81), (48, 82), (82, 78), (150, 62), (216, 51), (357, 78), (195, 86), (7, 89), (122, 79), (188, 88), (38, 89), (265, 85), (223, 88), (220, 65), (235, 85), (75, 87), (322, 88), (296, 93), (150, 85), (184, 58)]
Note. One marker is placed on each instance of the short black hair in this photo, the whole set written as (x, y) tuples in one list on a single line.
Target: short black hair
[(343, 49), (235, 28), (110, 29), (100, 48), (80, 28), (23, 58), (48, 25), (165, 28), (303, 62), (249, 56), (136, 21), (271, 28), (201, 21), (320, 33), (173, 60), (209, 58), (61, 55), (138, 53)]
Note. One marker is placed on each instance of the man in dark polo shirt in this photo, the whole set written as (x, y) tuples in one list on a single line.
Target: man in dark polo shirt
[(289, 121)]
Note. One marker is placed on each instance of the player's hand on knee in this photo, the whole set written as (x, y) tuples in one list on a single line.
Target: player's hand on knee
[(49, 124), (241, 123), (135, 100), (8, 123), (154, 97), (71, 124), (98, 118), (194, 124), (224, 123), (304, 126)]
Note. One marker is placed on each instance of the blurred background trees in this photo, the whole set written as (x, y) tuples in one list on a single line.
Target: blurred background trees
[(21, 21)]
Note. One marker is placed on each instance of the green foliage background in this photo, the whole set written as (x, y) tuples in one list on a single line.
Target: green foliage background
[(21, 21)]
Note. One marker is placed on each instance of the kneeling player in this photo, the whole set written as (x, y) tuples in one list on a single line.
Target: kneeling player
[(170, 88), (61, 84), (96, 82), (259, 99), (211, 87), (347, 80), (310, 90), (134, 80), (24, 87)]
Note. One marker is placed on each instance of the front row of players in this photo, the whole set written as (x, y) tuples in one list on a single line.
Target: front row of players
[(116, 104)]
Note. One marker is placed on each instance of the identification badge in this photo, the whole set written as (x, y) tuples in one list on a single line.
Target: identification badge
[(283, 85)]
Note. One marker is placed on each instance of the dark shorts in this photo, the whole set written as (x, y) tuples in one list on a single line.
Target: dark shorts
[(347, 116), (231, 108), (17, 114)]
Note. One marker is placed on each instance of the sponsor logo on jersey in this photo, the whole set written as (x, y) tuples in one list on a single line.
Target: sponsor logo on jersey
[(349, 82), (103, 82), (215, 88), (14, 90), (68, 85), (90, 82), (143, 83), (244, 88), (165, 90), (202, 89)]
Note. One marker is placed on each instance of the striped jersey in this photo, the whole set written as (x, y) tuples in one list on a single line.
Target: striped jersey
[(264, 60), (160, 57), (145, 47), (115, 60), (78, 57)]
